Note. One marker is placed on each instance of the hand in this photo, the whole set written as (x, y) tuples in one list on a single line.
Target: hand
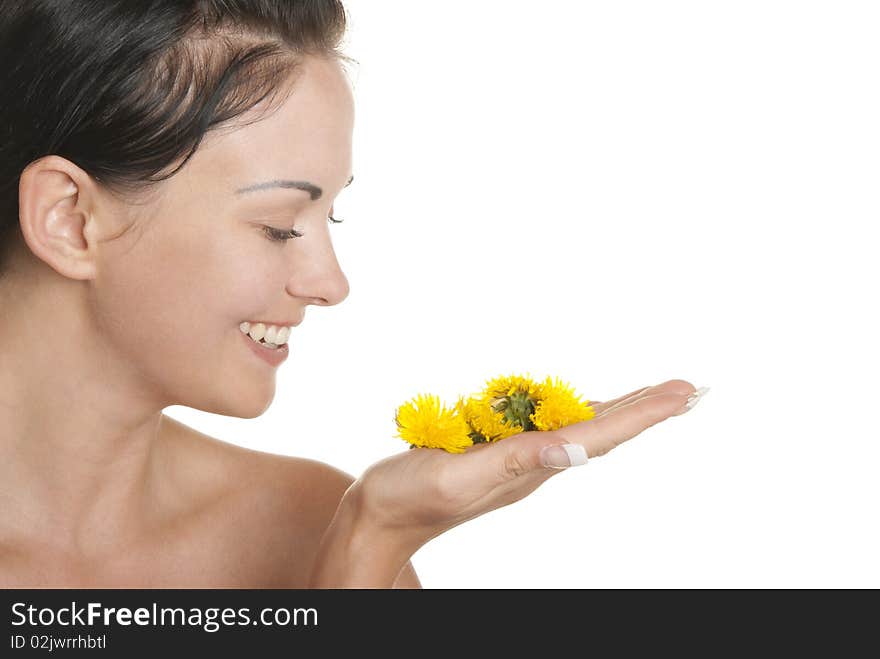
[(418, 494)]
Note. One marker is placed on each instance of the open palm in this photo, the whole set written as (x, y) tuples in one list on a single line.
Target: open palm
[(423, 492)]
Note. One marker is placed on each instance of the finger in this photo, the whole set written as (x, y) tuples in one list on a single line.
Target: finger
[(601, 406), (521, 454), (670, 386), (601, 434), (678, 386)]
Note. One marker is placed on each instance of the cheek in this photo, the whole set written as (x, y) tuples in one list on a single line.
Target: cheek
[(165, 293), (252, 280), (171, 309), (171, 300)]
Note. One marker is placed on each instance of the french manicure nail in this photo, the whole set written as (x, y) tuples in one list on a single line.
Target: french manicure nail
[(563, 456), (695, 397)]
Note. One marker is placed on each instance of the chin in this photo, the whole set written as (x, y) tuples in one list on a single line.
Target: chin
[(238, 403)]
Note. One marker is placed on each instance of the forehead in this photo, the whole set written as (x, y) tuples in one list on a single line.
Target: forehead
[(306, 132)]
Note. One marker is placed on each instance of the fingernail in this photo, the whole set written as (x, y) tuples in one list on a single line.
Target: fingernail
[(695, 398), (563, 456)]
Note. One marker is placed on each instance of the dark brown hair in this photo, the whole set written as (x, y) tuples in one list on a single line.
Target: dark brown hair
[(126, 90)]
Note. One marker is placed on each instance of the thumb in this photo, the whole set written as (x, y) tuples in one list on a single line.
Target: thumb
[(529, 452), (562, 455)]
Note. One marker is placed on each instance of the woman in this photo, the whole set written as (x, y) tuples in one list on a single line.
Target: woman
[(167, 186)]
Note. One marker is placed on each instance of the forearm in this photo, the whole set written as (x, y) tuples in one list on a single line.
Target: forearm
[(352, 554)]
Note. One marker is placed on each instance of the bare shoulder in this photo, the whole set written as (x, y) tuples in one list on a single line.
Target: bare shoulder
[(269, 510), (313, 490), (234, 468)]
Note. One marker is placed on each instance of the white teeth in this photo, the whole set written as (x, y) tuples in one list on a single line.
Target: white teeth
[(273, 335)]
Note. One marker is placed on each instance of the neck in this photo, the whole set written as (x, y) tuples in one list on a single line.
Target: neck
[(78, 432)]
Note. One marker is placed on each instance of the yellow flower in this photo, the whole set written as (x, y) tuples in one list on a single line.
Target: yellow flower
[(423, 421), (504, 407), (507, 406), (485, 421), (558, 406), (506, 385)]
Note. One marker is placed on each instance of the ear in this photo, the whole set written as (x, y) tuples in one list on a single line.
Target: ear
[(56, 200)]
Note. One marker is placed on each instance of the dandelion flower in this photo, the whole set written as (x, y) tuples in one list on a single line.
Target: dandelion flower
[(508, 405), (505, 406), (506, 385), (559, 406), (425, 422), (487, 424)]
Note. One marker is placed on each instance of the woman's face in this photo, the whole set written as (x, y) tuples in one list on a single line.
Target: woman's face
[(172, 292)]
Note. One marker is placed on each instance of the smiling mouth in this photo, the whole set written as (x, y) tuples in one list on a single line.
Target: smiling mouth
[(278, 333)]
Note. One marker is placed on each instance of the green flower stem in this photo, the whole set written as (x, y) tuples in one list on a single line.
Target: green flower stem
[(516, 409)]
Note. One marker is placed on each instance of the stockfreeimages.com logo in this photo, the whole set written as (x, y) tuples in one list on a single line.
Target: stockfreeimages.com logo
[(209, 619)]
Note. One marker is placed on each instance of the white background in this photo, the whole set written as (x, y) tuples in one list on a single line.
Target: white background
[(618, 194)]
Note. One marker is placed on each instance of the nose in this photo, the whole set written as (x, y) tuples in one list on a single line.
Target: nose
[(317, 275)]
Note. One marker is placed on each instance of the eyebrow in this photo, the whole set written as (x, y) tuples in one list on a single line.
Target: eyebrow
[(314, 191)]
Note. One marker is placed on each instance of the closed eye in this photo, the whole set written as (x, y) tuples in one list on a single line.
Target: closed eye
[(280, 235)]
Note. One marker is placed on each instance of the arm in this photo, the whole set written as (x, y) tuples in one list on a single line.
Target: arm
[(403, 501), (408, 578), (352, 554)]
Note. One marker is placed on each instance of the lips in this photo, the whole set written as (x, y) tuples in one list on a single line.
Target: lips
[(272, 356)]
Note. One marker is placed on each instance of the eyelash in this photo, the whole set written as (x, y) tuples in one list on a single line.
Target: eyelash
[(280, 236)]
